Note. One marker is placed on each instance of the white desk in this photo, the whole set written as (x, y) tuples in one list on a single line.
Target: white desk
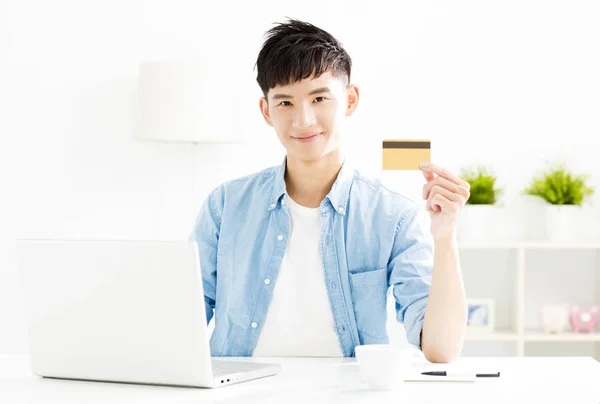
[(531, 380)]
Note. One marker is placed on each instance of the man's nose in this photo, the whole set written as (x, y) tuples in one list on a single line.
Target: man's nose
[(304, 117)]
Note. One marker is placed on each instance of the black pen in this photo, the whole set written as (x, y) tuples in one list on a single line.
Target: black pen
[(458, 374)]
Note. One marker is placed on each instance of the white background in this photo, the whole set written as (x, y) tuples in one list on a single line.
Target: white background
[(511, 84)]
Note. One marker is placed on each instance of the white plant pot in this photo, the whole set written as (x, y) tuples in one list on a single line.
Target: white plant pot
[(475, 223), (562, 223)]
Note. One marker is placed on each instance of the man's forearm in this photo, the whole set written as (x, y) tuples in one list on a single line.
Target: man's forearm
[(446, 312)]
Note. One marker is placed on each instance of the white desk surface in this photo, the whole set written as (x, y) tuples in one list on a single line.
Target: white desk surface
[(303, 380)]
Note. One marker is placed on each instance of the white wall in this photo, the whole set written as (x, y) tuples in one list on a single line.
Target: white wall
[(511, 84)]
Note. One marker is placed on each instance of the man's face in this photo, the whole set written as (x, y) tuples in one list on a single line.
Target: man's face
[(308, 115)]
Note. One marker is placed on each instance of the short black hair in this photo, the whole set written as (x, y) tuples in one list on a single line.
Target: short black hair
[(297, 50)]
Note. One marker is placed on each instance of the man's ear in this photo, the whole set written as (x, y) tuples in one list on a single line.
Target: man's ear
[(264, 110), (352, 95)]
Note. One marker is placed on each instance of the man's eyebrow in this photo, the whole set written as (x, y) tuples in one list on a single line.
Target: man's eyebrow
[(315, 91), (280, 96), (319, 90)]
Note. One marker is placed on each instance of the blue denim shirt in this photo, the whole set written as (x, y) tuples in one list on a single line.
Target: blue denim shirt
[(371, 239)]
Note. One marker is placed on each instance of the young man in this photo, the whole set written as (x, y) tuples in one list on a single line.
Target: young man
[(297, 259)]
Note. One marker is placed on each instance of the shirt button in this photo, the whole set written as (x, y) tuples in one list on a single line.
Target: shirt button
[(254, 325), (283, 201), (343, 329), (280, 237), (267, 281), (341, 209), (272, 205)]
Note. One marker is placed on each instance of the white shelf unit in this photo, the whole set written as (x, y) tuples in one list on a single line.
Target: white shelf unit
[(518, 304)]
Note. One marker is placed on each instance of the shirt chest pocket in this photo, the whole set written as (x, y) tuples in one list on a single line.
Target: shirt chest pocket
[(369, 294)]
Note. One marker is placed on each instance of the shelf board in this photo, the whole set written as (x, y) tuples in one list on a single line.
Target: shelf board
[(498, 335), (529, 245), (562, 337), (510, 335), (563, 246), (487, 246)]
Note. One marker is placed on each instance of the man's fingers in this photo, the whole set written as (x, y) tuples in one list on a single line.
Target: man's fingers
[(428, 175), (440, 203), (444, 183), (442, 172), (436, 189)]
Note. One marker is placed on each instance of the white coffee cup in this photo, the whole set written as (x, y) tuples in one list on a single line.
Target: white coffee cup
[(382, 366)]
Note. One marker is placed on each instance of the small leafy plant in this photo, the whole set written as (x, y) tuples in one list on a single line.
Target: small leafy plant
[(483, 185), (558, 186)]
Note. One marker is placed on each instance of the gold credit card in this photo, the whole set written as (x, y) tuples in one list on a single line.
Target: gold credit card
[(405, 154)]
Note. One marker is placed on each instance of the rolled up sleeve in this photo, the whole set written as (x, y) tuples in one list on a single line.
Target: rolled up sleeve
[(410, 268)]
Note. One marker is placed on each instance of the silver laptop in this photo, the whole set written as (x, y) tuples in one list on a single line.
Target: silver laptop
[(122, 311)]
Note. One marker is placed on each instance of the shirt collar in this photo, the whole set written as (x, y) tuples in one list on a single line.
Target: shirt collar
[(338, 195)]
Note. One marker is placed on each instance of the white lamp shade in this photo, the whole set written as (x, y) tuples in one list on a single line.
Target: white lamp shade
[(171, 103)]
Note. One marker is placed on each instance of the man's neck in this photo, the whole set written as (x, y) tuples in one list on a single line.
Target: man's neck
[(308, 182)]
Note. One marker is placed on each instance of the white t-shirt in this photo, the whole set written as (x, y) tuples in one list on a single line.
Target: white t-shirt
[(299, 320)]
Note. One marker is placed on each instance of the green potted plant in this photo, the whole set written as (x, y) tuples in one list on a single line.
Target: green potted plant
[(476, 219), (564, 193)]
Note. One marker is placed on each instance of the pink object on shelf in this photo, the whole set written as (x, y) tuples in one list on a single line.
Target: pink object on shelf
[(584, 319)]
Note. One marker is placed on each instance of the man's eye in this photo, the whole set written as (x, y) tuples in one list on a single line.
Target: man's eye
[(283, 103), (320, 98)]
